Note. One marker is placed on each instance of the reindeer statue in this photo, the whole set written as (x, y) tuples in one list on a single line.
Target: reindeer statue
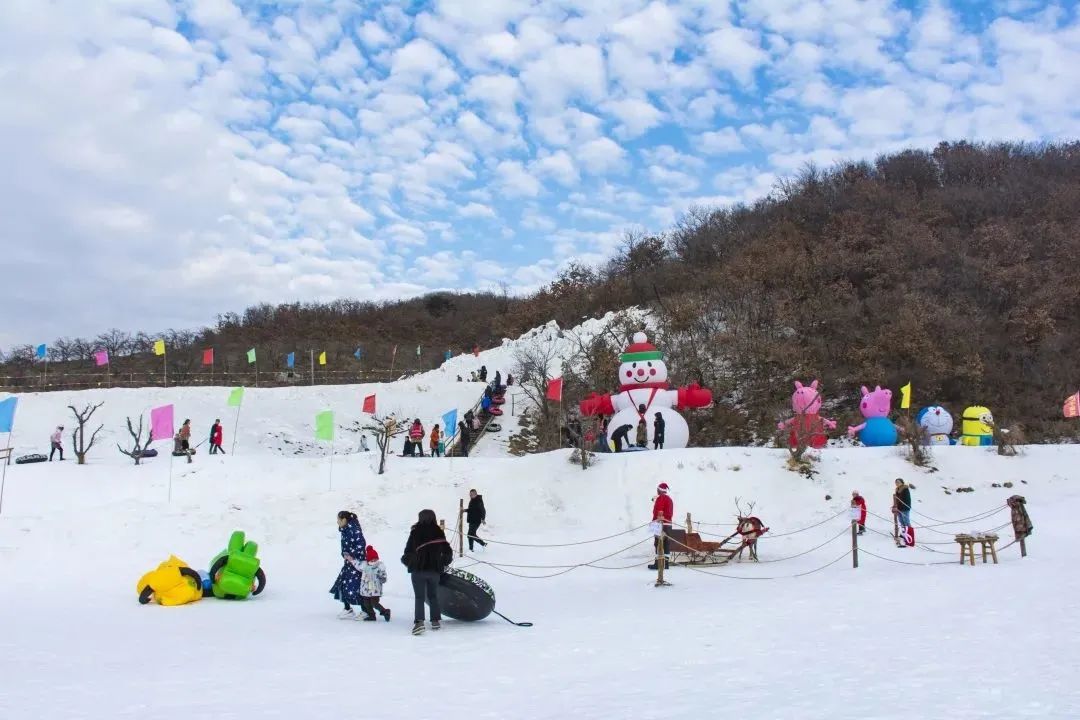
[(749, 528)]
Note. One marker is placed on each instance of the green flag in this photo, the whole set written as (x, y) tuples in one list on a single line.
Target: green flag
[(324, 425), (251, 356), (236, 397)]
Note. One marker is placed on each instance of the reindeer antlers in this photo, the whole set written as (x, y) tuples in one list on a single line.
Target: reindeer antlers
[(740, 512)]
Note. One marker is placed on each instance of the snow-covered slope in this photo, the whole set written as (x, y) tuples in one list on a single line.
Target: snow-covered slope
[(910, 633)]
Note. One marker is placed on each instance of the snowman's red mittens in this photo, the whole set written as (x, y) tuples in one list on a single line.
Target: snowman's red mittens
[(596, 404), (694, 396)]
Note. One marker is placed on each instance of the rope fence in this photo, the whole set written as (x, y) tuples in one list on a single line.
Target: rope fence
[(513, 569)]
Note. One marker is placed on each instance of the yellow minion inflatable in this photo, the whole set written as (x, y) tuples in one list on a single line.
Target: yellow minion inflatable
[(172, 583), (978, 427)]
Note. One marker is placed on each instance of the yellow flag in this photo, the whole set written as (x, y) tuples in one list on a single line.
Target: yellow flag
[(159, 347), (905, 397), (322, 358)]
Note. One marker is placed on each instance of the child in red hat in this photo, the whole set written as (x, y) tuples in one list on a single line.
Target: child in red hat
[(372, 577)]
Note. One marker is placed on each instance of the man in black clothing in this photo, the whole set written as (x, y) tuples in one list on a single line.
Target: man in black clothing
[(658, 432), (464, 438), (475, 516), (621, 435)]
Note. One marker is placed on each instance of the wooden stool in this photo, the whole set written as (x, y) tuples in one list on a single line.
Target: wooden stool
[(986, 544)]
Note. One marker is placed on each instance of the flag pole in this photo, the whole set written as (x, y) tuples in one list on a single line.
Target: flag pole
[(331, 464), (7, 460), (45, 382), (256, 371), (171, 458), (236, 424), (165, 368), (312, 366)]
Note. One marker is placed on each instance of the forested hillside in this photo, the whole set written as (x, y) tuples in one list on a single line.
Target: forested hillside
[(955, 269)]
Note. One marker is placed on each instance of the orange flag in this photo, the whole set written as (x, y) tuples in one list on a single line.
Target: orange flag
[(1072, 406)]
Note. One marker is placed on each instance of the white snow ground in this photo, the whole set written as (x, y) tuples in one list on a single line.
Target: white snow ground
[(886, 641)]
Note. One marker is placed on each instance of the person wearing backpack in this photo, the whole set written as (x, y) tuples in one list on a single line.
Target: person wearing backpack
[(427, 554)]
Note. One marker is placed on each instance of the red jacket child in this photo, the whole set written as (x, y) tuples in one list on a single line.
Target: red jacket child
[(859, 501), (663, 509)]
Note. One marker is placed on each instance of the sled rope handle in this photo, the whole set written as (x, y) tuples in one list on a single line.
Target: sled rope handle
[(519, 624)]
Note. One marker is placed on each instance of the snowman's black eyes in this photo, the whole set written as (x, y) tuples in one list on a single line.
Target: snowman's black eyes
[(633, 365), (649, 364)]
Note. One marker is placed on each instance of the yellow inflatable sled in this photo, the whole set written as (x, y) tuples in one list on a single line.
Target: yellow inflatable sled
[(172, 583)]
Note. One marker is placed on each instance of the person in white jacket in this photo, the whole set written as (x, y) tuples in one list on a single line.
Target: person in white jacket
[(57, 441), (372, 577)]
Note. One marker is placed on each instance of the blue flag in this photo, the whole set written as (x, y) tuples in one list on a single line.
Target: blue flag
[(7, 414), (40, 351), (447, 355), (449, 421), (359, 354), (290, 359)]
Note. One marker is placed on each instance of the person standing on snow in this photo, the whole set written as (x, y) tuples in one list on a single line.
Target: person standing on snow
[(427, 554), (372, 577), (433, 441), (346, 588), (56, 441), (663, 510), (465, 438), (416, 436), (902, 509), (215, 438), (641, 437), (475, 516), (621, 435), (658, 431), (857, 501), (185, 436)]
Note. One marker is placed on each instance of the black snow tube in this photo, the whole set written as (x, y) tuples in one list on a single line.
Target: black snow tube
[(145, 595), (149, 453), (464, 596), (260, 579), (27, 459), (182, 453)]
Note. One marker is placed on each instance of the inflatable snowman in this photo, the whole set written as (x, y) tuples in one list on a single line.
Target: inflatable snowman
[(643, 377)]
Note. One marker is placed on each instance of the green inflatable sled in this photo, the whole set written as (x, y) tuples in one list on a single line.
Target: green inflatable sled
[(235, 573)]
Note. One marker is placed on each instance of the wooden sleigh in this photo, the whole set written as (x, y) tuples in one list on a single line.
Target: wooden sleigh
[(686, 547)]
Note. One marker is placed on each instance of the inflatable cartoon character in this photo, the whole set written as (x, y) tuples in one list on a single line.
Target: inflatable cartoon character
[(978, 427), (936, 423), (235, 572), (172, 583), (877, 430), (807, 424), (644, 382)]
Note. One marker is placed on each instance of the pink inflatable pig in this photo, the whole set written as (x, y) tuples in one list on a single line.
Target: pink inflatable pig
[(877, 430), (807, 423)]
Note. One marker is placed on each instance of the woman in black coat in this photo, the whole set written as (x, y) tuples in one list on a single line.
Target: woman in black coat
[(346, 588), (427, 554)]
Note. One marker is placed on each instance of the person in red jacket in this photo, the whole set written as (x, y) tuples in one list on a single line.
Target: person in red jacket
[(215, 438), (663, 510), (858, 501)]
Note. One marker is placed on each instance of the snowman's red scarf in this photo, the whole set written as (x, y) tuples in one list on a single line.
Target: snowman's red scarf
[(655, 387), (644, 386)]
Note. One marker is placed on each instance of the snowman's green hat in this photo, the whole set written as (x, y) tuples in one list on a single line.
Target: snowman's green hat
[(640, 350)]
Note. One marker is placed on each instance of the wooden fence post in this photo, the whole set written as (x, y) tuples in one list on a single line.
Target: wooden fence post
[(1023, 547), (461, 527), (854, 543), (689, 524), (660, 582)]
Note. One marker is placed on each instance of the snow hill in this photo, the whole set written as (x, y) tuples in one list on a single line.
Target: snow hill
[(801, 634)]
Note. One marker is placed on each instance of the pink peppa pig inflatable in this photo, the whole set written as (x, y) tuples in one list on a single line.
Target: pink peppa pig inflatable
[(807, 425), (877, 430)]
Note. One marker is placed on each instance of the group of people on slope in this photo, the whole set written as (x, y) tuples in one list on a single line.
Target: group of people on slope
[(415, 436), (901, 509), (181, 440), (427, 554), (620, 436)]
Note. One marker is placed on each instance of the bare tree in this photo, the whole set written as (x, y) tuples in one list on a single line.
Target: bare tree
[(384, 429), (78, 435), (533, 362), (136, 452)]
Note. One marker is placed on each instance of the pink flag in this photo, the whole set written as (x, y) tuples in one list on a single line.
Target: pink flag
[(102, 357), (161, 422)]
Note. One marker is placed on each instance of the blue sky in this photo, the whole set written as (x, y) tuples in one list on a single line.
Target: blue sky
[(176, 160)]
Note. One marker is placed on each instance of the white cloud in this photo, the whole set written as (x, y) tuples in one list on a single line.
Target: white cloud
[(601, 156), (559, 166), (720, 142), (516, 180), (476, 210), (656, 29), (737, 51), (635, 115), (563, 73)]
